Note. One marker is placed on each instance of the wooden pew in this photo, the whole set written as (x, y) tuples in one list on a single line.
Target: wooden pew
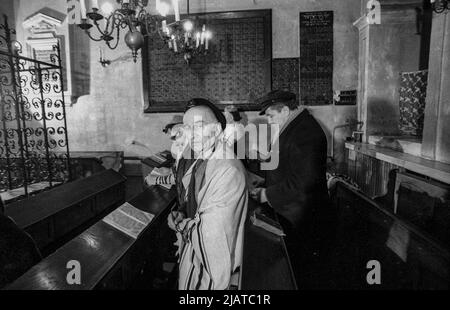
[(109, 258), (55, 216), (409, 257), (266, 264)]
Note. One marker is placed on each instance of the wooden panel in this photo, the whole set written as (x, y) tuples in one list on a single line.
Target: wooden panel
[(236, 70), (41, 232), (371, 174), (34, 209), (425, 204), (87, 200), (434, 169), (70, 218), (363, 234), (265, 262), (96, 249), (109, 197)]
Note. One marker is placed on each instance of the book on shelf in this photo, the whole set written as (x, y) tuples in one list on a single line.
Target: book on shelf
[(129, 219), (158, 159)]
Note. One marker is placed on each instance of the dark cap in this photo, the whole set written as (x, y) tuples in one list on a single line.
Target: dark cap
[(274, 97), (196, 102), (176, 119)]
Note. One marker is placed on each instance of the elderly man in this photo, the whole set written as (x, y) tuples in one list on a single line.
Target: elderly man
[(297, 188), (211, 229)]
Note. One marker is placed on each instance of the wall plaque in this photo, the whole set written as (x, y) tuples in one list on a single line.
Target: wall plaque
[(316, 58)]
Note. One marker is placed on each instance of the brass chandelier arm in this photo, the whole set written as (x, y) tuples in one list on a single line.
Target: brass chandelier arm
[(180, 36), (92, 38), (117, 40)]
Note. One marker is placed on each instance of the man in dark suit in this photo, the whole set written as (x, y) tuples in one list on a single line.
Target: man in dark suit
[(297, 190)]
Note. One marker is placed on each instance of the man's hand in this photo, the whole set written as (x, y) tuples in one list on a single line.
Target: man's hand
[(174, 218), (259, 194)]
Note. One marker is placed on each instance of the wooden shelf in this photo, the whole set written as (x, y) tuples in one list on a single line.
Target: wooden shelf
[(430, 168)]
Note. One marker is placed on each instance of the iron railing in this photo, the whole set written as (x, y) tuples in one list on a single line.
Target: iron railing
[(34, 148)]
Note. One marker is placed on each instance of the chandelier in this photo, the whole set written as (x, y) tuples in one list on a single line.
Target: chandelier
[(440, 6), (183, 37)]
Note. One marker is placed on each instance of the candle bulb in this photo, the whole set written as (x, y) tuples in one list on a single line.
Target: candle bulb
[(202, 37), (175, 47), (95, 4), (176, 10), (164, 27), (174, 44), (83, 9), (207, 36), (197, 37)]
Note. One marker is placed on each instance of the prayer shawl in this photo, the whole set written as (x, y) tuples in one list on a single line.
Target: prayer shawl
[(211, 247)]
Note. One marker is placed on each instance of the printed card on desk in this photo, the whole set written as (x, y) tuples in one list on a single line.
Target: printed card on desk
[(129, 219)]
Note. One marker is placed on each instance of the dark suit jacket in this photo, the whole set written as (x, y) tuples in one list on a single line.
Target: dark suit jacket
[(297, 189)]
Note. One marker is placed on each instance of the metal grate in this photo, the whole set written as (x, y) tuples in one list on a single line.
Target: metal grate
[(34, 147)]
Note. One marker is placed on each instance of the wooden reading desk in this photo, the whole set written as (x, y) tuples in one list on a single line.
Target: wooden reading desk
[(266, 264), (109, 258), (56, 216)]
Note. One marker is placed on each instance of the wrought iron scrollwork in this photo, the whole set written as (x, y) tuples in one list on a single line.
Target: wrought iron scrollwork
[(34, 146)]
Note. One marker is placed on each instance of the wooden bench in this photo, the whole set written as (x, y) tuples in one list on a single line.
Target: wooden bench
[(55, 216), (409, 257), (266, 264), (109, 258)]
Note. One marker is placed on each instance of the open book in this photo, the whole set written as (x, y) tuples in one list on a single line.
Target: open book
[(129, 219), (161, 157)]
